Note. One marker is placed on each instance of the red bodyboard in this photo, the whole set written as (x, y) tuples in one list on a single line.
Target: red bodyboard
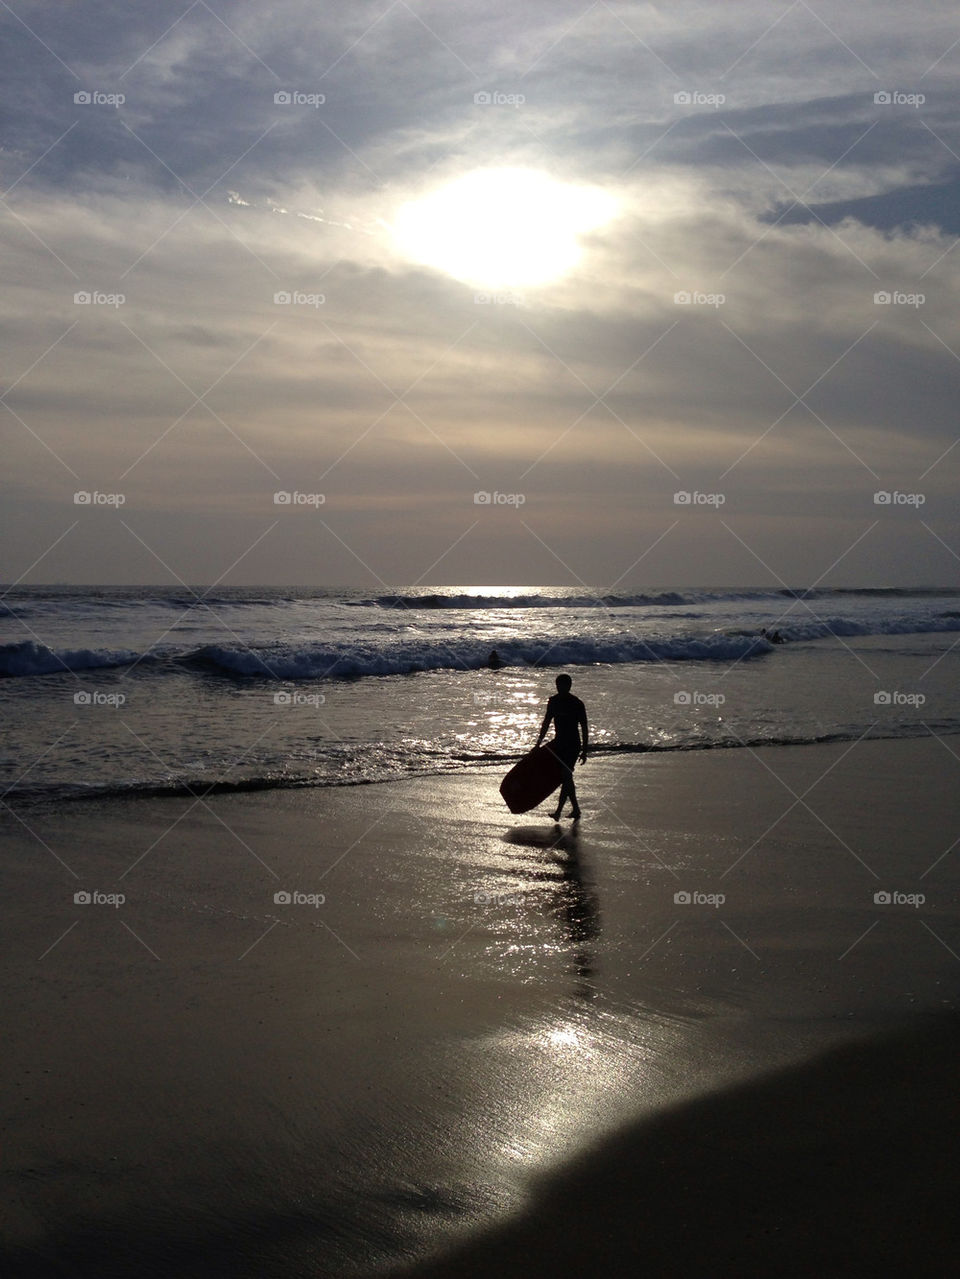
[(531, 780)]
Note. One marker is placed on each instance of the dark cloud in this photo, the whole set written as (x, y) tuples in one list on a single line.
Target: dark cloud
[(933, 205)]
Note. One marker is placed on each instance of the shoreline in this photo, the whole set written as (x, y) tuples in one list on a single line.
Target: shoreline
[(467, 766)]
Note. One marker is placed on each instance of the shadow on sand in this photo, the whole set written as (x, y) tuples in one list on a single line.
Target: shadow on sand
[(843, 1166), (548, 836)]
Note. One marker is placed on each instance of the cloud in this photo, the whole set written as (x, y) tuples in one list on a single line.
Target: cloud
[(598, 395)]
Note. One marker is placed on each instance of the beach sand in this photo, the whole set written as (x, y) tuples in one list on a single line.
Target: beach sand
[(205, 1081)]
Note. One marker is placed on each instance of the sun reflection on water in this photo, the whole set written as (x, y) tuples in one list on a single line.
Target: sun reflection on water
[(565, 1037)]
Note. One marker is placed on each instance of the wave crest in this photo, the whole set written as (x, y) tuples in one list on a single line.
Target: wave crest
[(30, 658)]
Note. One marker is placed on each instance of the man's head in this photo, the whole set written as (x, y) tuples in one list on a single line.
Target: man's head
[(563, 683)]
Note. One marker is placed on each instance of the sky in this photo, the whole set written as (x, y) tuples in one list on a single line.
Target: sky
[(618, 295)]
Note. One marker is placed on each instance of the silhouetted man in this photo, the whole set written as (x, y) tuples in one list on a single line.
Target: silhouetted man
[(569, 716)]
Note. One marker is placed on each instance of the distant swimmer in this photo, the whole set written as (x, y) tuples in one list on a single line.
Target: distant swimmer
[(494, 661), (775, 637), (571, 737)]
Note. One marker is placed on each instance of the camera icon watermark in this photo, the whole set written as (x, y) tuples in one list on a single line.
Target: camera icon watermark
[(296, 98), (499, 899), (484, 498), (494, 98), (696, 698), (687, 297), (285, 497), (98, 98), (96, 898), (296, 898), (695, 498), (84, 698), (694, 98), (84, 497), (498, 299), (86, 297), (883, 898), (685, 898), (883, 697), (885, 497), (894, 297), (293, 297), (896, 98), (291, 697)]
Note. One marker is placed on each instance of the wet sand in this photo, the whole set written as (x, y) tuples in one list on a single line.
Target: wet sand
[(843, 1166), (206, 1081)]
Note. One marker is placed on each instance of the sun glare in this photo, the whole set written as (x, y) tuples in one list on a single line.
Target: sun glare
[(502, 228)]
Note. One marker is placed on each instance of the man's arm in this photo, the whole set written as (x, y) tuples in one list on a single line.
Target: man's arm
[(584, 734), (546, 722)]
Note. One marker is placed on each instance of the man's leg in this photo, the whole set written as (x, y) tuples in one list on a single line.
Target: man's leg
[(572, 794), (565, 788)]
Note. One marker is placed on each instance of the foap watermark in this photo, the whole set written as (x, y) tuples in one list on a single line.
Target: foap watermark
[(499, 899), (98, 98), (897, 98), (296, 898), (696, 498), (696, 898), (494, 98), (294, 297), (84, 698), (481, 698), (885, 898), (894, 697), (297, 98), (894, 297), (498, 299), (694, 98), (292, 697), (84, 497), (885, 497), (96, 898), (87, 297), (483, 498), (687, 297), (295, 498), (695, 698)]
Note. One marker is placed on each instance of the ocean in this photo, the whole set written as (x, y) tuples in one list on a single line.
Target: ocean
[(116, 690)]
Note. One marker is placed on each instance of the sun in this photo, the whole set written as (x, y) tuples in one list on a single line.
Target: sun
[(502, 228)]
